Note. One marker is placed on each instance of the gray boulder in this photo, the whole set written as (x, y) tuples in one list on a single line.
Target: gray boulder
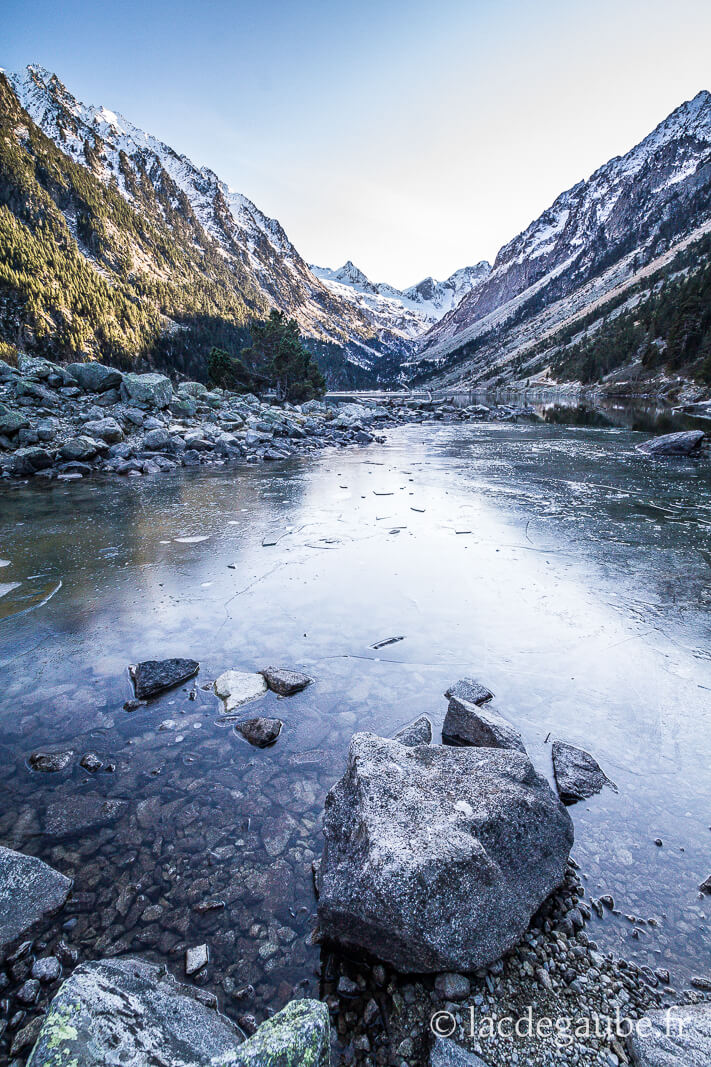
[(29, 891), (95, 377), (129, 1013), (154, 676), (418, 732), (673, 444), (260, 732), (578, 775), (297, 1036), (78, 448), (285, 682), (481, 726), (107, 429), (31, 459), (148, 390), (469, 689), (676, 1037), (156, 440), (436, 858), (11, 421)]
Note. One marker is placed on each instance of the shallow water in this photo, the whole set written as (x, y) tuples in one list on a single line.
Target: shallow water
[(554, 563)]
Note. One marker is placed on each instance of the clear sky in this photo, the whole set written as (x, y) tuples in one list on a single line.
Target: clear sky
[(412, 137)]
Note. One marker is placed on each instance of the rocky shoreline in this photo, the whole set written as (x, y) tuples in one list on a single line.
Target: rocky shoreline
[(62, 422)]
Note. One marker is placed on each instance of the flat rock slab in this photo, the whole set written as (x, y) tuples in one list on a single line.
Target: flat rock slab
[(673, 444), (127, 1013), (297, 1036), (285, 682), (578, 775), (156, 675), (418, 732), (74, 814), (469, 689), (435, 858), (479, 725), (446, 1053), (260, 732), (236, 688), (29, 890), (676, 1037)]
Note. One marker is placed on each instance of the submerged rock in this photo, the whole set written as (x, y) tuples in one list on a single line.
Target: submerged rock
[(297, 1036), (121, 1012), (260, 732), (50, 762), (285, 682), (29, 891), (196, 958), (72, 815), (418, 732), (435, 858), (578, 775), (154, 676), (680, 1035), (673, 444), (236, 688), (481, 726), (469, 689)]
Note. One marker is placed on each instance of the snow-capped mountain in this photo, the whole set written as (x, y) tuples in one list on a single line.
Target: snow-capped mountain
[(591, 243), (161, 182), (408, 312)]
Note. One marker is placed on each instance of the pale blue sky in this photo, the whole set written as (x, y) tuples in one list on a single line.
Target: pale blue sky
[(410, 137)]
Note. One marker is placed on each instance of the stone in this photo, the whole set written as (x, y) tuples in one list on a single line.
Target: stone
[(156, 440), (297, 1036), (679, 1036), (79, 448), (451, 986), (260, 732), (285, 682), (30, 890), (95, 377), (673, 444), (469, 689), (50, 762), (154, 676), (149, 390), (91, 762), (74, 814), (47, 969), (481, 726), (446, 1053), (28, 991), (196, 958), (578, 775), (418, 732), (236, 688), (435, 858), (107, 429), (11, 422), (128, 1013), (29, 460)]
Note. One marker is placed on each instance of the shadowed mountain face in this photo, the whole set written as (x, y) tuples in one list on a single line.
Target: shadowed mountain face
[(628, 220)]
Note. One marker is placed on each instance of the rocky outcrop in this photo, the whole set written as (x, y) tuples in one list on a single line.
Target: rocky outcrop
[(435, 858), (29, 891), (578, 775), (673, 444), (155, 676), (679, 1036), (128, 1013), (479, 725)]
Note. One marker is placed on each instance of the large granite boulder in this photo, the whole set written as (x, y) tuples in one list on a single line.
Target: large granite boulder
[(129, 1013), (679, 1036), (297, 1036), (29, 890), (95, 377), (673, 444), (479, 725), (147, 390), (435, 858)]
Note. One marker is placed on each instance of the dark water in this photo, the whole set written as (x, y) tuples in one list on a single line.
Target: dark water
[(554, 563)]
